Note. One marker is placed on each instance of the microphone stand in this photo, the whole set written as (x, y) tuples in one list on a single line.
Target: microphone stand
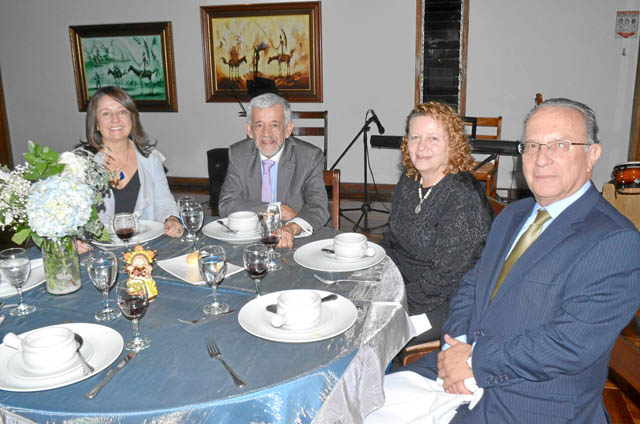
[(366, 205)]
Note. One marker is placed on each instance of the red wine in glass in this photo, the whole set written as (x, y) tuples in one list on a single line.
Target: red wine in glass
[(137, 307), (125, 234), (270, 240), (257, 271)]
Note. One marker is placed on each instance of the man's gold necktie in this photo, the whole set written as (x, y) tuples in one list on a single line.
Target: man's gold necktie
[(526, 240)]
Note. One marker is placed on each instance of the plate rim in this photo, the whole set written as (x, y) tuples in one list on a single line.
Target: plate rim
[(242, 316), (154, 226), (231, 239), (348, 266)]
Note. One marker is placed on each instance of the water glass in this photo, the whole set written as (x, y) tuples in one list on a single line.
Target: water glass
[(212, 262), (102, 267), (270, 232), (133, 300), (192, 217), (15, 267), (255, 258)]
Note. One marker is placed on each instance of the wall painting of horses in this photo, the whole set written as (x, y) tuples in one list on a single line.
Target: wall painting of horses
[(278, 41), (136, 57)]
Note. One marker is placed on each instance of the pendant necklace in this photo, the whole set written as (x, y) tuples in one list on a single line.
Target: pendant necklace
[(422, 199), (125, 165)]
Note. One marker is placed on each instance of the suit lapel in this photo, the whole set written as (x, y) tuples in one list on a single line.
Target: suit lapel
[(560, 229), (254, 173), (286, 169)]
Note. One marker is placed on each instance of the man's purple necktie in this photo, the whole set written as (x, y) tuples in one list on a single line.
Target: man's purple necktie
[(267, 164)]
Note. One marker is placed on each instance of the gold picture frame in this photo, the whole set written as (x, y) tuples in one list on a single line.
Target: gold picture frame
[(280, 42)]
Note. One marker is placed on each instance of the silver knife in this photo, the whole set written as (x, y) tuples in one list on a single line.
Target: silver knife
[(93, 392)]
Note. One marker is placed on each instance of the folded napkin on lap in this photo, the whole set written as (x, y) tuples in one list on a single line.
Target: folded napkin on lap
[(410, 397)]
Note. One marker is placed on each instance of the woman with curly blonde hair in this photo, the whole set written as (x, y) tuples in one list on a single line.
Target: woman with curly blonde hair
[(440, 215)]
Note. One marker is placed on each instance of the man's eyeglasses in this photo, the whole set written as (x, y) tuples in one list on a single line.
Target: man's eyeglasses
[(557, 147)]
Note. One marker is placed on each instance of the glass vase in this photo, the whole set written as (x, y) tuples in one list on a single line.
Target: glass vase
[(61, 266)]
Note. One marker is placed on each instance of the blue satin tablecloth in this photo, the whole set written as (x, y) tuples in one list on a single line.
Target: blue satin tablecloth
[(334, 380)]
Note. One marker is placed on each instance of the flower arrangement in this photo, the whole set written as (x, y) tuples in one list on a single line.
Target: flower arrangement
[(53, 195), (50, 199)]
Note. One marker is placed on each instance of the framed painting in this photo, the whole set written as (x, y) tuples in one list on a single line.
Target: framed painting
[(137, 57), (244, 45)]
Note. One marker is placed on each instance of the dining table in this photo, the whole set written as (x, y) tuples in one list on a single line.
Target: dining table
[(334, 380)]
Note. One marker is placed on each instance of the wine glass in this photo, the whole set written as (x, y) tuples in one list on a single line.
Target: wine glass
[(15, 268), (133, 300), (192, 216), (270, 232), (255, 258), (125, 225), (102, 267), (212, 262)]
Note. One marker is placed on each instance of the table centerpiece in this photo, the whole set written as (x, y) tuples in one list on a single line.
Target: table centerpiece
[(52, 199)]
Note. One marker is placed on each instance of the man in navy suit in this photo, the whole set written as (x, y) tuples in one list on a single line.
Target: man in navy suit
[(538, 344)]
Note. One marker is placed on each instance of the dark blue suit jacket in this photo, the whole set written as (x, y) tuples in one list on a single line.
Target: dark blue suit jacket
[(542, 345)]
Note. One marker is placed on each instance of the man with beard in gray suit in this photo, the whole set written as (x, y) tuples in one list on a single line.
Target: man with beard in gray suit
[(271, 166)]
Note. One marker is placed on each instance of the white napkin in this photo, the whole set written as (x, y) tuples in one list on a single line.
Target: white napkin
[(190, 273), (420, 323), (412, 398)]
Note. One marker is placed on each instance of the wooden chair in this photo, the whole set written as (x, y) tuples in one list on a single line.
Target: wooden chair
[(303, 127), (411, 354), (488, 172), (332, 179)]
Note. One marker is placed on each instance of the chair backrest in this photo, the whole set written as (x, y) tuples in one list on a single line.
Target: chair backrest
[(217, 164), (487, 128), (312, 124), (538, 98), (332, 179)]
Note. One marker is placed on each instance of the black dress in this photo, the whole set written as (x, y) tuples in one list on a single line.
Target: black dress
[(434, 248)]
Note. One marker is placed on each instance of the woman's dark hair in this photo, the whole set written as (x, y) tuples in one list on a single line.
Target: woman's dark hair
[(138, 135)]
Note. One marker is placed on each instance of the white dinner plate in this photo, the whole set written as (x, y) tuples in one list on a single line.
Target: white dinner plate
[(337, 317), (310, 256), (147, 231), (190, 273), (36, 277), (218, 232), (101, 344)]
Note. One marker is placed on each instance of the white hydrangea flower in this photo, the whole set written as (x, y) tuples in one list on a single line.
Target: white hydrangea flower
[(74, 165)]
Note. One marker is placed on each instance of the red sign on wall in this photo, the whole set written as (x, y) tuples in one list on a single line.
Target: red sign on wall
[(627, 24)]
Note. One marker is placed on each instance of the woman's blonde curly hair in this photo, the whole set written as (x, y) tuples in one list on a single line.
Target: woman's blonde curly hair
[(459, 149)]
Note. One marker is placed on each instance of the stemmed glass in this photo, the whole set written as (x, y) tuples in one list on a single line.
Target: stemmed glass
[(270, 232), (181, 202), (102, 267), (192, 216), (133, 301), (255, 258), (125, 225), (15, 268), (212, 262)]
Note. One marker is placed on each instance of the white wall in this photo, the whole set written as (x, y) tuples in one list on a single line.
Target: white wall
[(560, 49), (368, 60), (516, 48)]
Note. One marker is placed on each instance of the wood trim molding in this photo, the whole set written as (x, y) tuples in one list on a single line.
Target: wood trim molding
[(634, 136), (6, 155)]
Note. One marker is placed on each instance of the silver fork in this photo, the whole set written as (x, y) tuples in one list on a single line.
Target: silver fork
[(327, 281), (214, 352)]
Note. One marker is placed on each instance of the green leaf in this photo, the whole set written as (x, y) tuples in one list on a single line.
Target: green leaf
[(30, 157), (39, 168), (105, 235), (37, 149), (36, 239), (50, 156), (54, 170), (21, 236), (31, 144)]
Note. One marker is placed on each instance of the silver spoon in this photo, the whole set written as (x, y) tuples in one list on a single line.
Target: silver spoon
[(85, 365), (273, 308), (227, 227), (206, 317)]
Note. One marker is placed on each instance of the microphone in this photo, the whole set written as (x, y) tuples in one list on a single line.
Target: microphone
[(377, 122)]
